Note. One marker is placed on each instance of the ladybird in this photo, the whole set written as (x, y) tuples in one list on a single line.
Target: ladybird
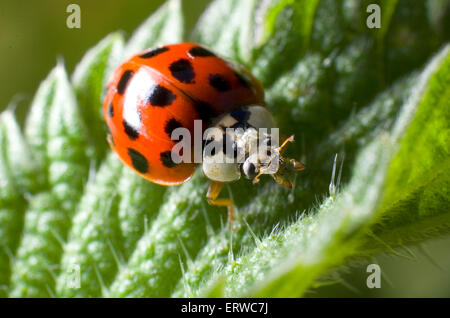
[(168, 87)]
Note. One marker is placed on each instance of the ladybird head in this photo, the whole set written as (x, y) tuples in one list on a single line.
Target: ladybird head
[(269, 160), (246, 148)]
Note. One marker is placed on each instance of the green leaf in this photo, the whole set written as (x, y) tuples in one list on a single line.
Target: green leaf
[(16, 173), (370, 121), (328, 31), (286, 263), (289, 40), (212, 24), (36, 124), (95, 244), (324, 237), (359, 130), (180, 229), (57, 137), (71, 212), (221, 28), (417, 196), (90, 80), (356, 79), (165, 26), (16, 155), (437, 12), (139, 204), (299, 94), (410, 38), (11, 222)]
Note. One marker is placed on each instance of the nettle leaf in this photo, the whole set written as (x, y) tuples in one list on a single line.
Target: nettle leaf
[(16, 155), (89, 80), (373, 120), (11, 221), (286, 263), (221, 28), (297, 95), (319, 240), (417, 197), (17, 179), (74, 222), (410, 31), (94, 244), (59, 142), (139, 205), (288, 41), (165, 26), (36, 124), (156, 264)]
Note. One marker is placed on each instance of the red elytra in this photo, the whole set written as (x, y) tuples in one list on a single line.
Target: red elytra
[(164, 88)]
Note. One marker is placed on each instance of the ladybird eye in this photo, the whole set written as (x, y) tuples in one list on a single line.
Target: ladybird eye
[(251, 171), (248, 169)]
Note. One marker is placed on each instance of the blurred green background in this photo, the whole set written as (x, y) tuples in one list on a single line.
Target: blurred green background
[(34, 35)]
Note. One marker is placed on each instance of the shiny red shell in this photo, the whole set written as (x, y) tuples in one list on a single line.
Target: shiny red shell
[(164, 88)]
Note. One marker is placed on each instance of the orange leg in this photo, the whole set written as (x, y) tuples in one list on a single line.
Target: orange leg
[(283, 146), (213, 193), (297, 165), (282, 181)]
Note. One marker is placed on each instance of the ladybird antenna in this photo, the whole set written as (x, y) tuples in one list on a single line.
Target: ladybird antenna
[(282, 148)]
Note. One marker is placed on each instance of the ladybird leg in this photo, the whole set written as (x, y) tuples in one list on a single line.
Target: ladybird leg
[(283, 146), (297, 165), (282, 181), (213, 193), (110, 141), (256, 179)]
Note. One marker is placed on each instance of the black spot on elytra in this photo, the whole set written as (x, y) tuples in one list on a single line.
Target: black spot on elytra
[(123, 82), (166, 159), (243, 80), (200, 51), (161, 96), (138, 160), (171, 125), (131, 132), (182, 70), (205, 111), (111, 110), (219, 82), (154, 52), (241, 114)]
